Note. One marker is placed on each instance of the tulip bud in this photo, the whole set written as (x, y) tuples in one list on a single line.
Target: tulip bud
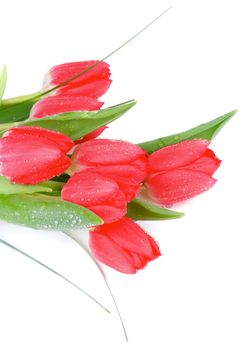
[(93, 83), (121, 161), (181, 171), (98, 193), (123, 245), (29, 155)]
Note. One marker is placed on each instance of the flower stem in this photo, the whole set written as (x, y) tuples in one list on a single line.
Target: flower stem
[(52, 270), (81, 244)]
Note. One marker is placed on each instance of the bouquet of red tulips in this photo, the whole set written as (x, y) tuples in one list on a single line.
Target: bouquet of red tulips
[(57, 175)]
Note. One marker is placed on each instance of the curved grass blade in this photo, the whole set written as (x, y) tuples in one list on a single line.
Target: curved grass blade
[(53, 271), (140, 209), (78, 241), (110, 54), (18, 111), (203, 131)]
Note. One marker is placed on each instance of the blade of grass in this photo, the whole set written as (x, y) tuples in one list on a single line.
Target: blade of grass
[(11, 246), (110, 54), (22, 100), (84, 247)]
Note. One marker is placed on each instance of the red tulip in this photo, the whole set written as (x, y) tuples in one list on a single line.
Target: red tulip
[(98, 193), (181, 171), (123, 245), (121, 161), (93, 83), (29, 155), (61, 104)]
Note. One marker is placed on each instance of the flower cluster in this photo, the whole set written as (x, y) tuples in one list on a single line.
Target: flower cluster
[(103, 175)]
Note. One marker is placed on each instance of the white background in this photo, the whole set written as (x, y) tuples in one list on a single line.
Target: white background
[(188, 68)]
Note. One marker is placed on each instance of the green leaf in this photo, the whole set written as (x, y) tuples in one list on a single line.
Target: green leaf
[(204, 131), (18, 111), (78, 124), (6, 187), (44, 212), (140, 209), (3, 81)]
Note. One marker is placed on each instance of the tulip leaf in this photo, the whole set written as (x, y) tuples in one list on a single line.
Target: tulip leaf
[(3, 81), (16, 111), (18, 108), (6, 187), (204, 131), (140, 209), (44, 212), (78, 124)]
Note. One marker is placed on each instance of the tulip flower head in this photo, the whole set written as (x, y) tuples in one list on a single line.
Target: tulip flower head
[(123, 245), (29, 155), (118, 160), (93, 83), (181, 171), (98, 193)]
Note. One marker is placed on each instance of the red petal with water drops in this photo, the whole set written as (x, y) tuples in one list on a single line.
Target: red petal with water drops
[(98, 193), (123, 245), (30, 159), (207, 164), (177, 155), (65, 71), (178, 185), (93, 83), (93, 89), (62, 141), (110, 253), (107, 152), (52, 105)]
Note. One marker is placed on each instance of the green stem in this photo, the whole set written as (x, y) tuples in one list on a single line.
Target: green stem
[(81, 244), (7, 244)]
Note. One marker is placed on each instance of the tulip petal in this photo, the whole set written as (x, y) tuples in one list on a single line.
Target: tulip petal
[(207, 164), (109, 253), (93, 83), (46, 173), (130, 189), (123, 245), (62, 141), (178, 185), (130, 236), (52, 105), (28, 159), (128, 177), (177, 155), (98, 193), (106, 152), (109, 213), (94, 89), (60, 73), (125, 171)]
